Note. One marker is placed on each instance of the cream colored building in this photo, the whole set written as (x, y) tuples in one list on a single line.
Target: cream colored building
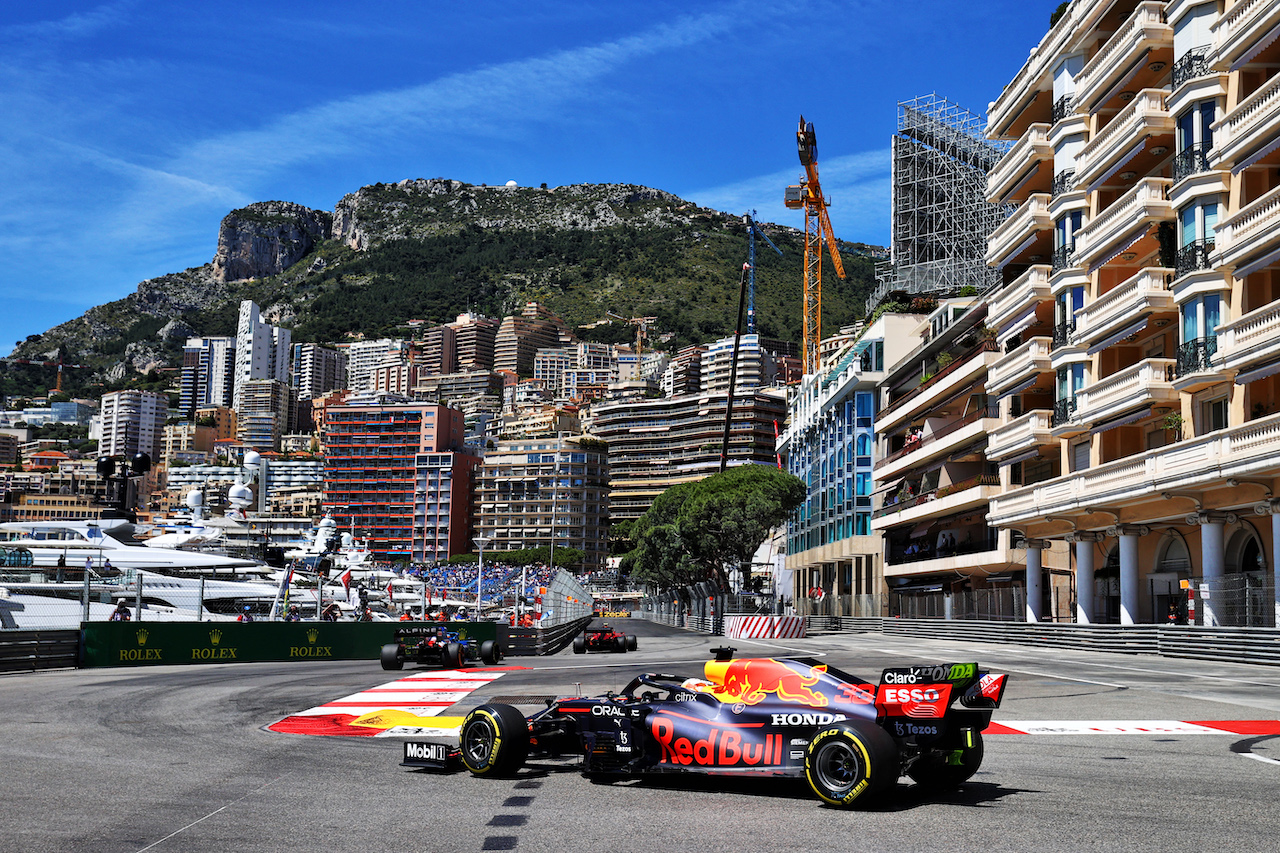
[(1138, 322)]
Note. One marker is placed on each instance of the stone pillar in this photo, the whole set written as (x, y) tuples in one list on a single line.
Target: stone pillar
[(1084, 579), (1035, 578), (1275, 563), (1129, 590), (1213, 557)]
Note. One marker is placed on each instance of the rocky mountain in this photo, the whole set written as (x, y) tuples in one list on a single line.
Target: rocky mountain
[(431, 249)]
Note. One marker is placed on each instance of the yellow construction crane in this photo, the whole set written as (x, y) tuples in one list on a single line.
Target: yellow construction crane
[(817, 230), (641, 324)]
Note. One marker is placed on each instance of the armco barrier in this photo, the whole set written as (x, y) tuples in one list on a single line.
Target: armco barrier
[(24, 651), (1237, 645), (155, 643)]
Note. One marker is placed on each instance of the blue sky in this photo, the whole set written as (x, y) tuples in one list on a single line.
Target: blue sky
[(128, 129)]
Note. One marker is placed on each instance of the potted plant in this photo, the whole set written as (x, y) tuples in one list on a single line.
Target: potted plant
[(1173, 423)]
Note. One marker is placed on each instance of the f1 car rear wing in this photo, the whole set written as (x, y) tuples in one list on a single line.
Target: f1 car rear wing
[(976, 689)]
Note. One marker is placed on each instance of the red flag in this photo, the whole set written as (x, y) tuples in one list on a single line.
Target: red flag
[(345, 578), (388, 590)]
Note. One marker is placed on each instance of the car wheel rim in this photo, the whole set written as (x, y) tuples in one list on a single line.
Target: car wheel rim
[(837, 767), (478, 743)]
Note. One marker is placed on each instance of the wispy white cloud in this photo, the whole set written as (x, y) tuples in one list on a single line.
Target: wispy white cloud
[(77, 25), (856, 184)]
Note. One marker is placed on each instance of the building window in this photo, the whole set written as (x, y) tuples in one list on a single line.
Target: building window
[(1080, 456), (1065, 231), (1195, 139), (1200, 319), (1196, 225), (1213, 415), (1070, 381)]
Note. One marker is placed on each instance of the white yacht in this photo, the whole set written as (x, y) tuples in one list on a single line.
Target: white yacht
[(108, 546)]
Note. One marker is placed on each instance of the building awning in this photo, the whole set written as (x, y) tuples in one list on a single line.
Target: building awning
[(890, 485), (1024, 320), (1128, 155), (1265, 261), (1127, 331), (1258, 46), (1120, 247), (1021, 386), (1121, 421), (921, 529), (1258, 373), (1021, 457), (1026, 244), (1255, 157)]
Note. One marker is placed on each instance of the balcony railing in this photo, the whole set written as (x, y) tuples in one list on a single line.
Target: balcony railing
[(1148, 381), (1144, 292), (1063, 107), (940, 432), (1192, 160), (1063, 411), (1252, 232), (1252, 339), (1064, 182), (1240, 27), (954, 366), (1197, 355), (1062, 334), (1193, 256), (1192, 64), (1251, 123), (937, 494), (1144, 116), (1062, 257), (1144, 31)]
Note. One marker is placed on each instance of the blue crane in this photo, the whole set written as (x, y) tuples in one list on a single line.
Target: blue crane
[(748, 219)]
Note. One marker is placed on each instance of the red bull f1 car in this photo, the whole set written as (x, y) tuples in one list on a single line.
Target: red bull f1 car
[(603, 639), (850, 738)]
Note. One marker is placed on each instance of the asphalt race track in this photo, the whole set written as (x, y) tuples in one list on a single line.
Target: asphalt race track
[(179, 759)]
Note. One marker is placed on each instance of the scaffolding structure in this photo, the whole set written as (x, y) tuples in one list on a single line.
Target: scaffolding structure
[(940, 214)]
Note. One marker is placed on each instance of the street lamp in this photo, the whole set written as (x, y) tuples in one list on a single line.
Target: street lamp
[(481, 542)]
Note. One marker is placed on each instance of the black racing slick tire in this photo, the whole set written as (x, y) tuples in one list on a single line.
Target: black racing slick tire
[(579, 645), (945, 772), (391, 657), (848, 761), (632, 644), (619, 643), (490, 652), (494, 740), (453, 656)]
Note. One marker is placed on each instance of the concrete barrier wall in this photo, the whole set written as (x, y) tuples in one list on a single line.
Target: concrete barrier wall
[(157, 643)]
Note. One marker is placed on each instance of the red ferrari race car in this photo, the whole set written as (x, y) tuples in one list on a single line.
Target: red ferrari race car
[(850, 738), (603, 639)]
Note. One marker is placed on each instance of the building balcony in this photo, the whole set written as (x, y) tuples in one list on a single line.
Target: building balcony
[(1148, 382), (1144, 33), (939, 442), (1248, 240), (1243, 452), (1250, 130), (1139, 125), (1031, 430), (1017, 232), (1125, 305), (968, 370), (1252, 341), (1020, 164), (1197, 365), (1027, 97), (1192, 160), (1192, 64), (1016, 367), (1125, 222), (1241, 29), (947, 500), (1019, 296)]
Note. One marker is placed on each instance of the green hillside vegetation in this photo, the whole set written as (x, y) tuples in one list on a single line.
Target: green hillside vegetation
[(434, 255)]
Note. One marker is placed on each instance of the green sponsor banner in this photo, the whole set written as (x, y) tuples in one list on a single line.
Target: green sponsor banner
[(146, 643)]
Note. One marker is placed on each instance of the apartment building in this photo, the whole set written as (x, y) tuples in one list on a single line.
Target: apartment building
[(317, 370), (1139, 310), (131, 422), (392, 468), (520, 336), (829, 443), (657, 443), (533, 492), (261, 352), (208, 374)]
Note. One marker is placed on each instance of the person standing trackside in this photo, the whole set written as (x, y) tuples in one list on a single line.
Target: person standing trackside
[(62, 567), (121, 613)]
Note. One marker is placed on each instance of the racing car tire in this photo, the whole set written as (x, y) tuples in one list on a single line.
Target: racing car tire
[(494, 740), (453, 656), (846, 761), (934, 773), (391, 657), (579, 645), (619, 643), (490, 652), (632, 644)]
